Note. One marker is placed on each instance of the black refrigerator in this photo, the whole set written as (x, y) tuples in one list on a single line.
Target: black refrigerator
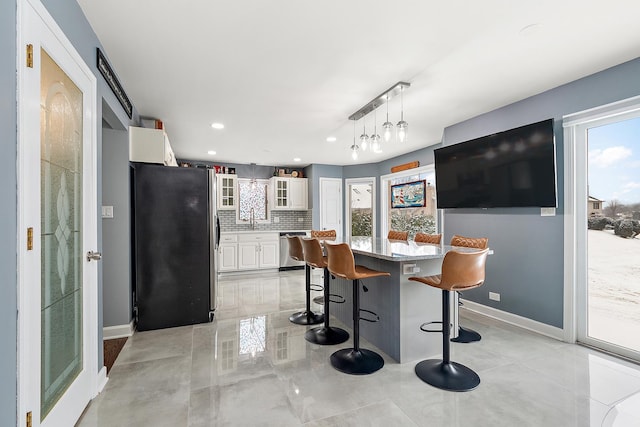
[(175, 234)]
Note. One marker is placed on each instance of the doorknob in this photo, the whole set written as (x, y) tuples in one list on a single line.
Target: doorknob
[(94, 256)]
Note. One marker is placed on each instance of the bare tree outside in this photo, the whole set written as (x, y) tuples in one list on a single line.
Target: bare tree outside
[(613, 208)]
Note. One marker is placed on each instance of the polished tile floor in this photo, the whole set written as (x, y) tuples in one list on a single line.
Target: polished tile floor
[(252, 367)]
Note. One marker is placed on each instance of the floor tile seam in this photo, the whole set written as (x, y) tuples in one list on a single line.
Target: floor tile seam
[(316, 420), (153, 359)]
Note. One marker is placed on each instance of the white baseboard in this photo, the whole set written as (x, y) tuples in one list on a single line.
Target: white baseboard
[(102, 380), (118, 331), (514, 319)]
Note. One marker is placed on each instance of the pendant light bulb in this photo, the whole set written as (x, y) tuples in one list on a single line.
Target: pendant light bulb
[(402, 126), (364, 138), (375, 138), (387, 126), (354, 152)]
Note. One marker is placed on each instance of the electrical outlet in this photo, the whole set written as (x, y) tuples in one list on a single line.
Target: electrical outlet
[(494, 296), (107, 212), (300, 219), (276, 219)]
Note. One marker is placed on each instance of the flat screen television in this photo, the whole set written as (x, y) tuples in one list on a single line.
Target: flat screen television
[(514, 168)]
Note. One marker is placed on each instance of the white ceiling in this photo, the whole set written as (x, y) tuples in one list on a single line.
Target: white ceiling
[(284, 75)]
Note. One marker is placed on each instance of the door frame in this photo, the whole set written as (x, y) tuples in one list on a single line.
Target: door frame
[(575, 207), (321, 180), (347, 202), (26, 356)]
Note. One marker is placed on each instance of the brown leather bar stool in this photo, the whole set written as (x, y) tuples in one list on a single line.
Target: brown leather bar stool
[(398, 235), (460, 271), (325, 335), (306, 317), (324, 234), (466, 335), (428, 238), (355, 360)]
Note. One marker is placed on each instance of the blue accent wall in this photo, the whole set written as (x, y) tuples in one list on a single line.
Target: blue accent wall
[(527, 267), (8, 213)]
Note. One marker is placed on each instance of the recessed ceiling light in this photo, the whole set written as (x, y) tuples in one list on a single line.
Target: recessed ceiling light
[(217, 125), (331, 139), (211, 152), (296, 159)]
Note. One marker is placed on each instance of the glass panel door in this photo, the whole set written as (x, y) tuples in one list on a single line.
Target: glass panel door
[(361, 215), (61, 232), (613, 222)]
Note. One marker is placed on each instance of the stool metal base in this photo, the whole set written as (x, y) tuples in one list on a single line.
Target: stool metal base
[(466, 335), (326, 335), (306, 318), (449, 376), (356, 362)]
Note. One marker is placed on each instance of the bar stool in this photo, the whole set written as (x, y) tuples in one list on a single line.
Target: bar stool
[(324, 235), (355, 360), (466, 335), (306, 317), (325, 335), (398, 235), (428, 238), (460, 271)]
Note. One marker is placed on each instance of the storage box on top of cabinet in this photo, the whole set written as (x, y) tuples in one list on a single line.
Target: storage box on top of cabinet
[(150, 146)]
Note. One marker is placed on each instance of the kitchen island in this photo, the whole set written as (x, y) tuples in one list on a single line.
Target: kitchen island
[(402, 305)]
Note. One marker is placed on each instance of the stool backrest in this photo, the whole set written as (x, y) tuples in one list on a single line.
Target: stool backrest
[(398, 235), (470, 242), (428, 238), (313, 253), (295, 248), (323, 233), (340, 260), (463, 270)]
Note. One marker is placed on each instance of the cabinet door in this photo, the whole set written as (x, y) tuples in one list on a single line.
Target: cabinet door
[(281, 193), (228, 258), (269, 254), (227, 191), (248, 256), (298, 194)]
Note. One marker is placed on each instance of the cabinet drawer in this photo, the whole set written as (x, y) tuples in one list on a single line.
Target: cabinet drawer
[(228, 238), (258, 237)]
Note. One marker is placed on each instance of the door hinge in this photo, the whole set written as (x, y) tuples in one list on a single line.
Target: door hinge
[(30, 56), (29, 421), (30, 238)]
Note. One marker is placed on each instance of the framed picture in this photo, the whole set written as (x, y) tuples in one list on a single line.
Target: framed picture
[(408, 195)]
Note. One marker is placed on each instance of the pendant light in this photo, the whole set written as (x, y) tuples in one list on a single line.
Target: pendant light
[(387, 126), (354, 147), (375, 138), (402, 126), (364, 138)]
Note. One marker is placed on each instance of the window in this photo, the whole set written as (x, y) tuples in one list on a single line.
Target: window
[(253, 200), (412, 219)]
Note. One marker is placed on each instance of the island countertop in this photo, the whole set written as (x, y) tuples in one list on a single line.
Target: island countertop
[(397, 250)]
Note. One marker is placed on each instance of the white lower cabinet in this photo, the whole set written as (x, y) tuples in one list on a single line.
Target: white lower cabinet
[(228, 252), (249, 251)]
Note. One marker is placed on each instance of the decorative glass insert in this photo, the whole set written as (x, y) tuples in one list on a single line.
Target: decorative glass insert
[(253, 198), (61, 221)]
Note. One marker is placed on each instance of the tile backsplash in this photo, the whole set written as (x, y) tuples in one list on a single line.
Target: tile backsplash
[(288, 220)]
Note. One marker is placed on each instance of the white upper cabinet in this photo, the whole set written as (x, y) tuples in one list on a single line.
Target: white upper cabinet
[(289, 193), (227, 191), (150, 146)]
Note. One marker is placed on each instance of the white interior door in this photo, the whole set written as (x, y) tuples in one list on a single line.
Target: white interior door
[(58, 224), (331, 204)]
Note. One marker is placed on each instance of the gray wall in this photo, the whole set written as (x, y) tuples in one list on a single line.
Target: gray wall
[(116, 240), (527, 267), (8, 213)]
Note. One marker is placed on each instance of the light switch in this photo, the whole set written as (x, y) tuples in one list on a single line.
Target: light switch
[(107, 212), (547, 211)]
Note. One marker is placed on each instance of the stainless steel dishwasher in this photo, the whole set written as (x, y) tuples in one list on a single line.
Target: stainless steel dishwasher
[(286, 262)]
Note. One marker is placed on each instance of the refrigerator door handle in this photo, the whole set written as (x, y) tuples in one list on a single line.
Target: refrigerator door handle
[(217, 231)]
